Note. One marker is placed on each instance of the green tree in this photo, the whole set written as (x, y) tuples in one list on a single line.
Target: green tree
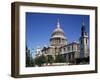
[(29, 59), (40, 60), (50, 59), (60, 58)]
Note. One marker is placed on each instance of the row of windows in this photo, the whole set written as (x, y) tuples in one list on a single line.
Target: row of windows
[(57, 41), (71, 48)]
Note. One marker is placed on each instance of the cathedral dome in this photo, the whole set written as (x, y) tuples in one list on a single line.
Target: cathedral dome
[(57, 37), (58, 32)]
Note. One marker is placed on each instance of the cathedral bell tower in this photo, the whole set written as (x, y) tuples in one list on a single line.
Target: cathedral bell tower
[(84, 50)]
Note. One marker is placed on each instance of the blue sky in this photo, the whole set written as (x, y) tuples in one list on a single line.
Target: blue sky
[(39, 27)]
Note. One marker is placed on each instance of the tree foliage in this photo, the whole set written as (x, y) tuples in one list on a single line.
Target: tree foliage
[(29, 59), (39, 61), (82, 60), (60, 58), (50, 59)]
